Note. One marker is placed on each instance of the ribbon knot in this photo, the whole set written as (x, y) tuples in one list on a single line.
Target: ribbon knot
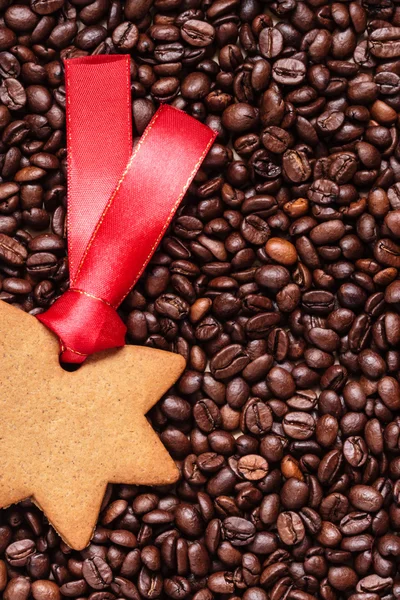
[(119, 203), (85, 324)]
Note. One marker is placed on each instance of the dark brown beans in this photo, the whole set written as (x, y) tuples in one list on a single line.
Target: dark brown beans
[(278, 282)]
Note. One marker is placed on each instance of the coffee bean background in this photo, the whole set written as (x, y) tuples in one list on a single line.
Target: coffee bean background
[(278, 281)]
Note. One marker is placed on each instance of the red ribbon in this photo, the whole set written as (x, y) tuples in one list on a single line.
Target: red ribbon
[(119, 203)]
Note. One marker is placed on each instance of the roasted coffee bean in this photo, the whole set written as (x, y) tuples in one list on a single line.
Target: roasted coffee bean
[(272, 277), (275, 139), (388, 390), (238, 531), (342, 578), (326, 430), (294, 494), (229, 361), (125, 36), (18, 588), (282, 251), (42, 589), (189, 520), (221, 582), (281, 383), (271, 42), (288, 71), (364, 497), (296, 166), (323, 192), (384, 42), (172, 306), (355, 523), (18, 553), (12, 94), (252, 467), (97, 573), (257, 417), (240, 117), (12, 252), (298, 425), (387, 253), (355, 451), (290, 528), (329, 466), (9, 65), (197, 33), (128, 589), (207, 415)]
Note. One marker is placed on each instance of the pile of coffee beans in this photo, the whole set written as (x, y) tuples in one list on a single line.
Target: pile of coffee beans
[(278, 281)]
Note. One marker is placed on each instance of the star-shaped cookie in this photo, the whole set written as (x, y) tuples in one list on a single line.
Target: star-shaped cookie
[(64, 436)]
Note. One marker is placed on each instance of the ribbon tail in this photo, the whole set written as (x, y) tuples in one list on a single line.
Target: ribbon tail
[(116, 237)]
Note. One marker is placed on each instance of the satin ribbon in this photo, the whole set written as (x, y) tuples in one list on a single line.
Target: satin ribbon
[(119, 203)]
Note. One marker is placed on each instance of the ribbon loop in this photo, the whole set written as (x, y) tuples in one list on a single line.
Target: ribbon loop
[(119, 208)]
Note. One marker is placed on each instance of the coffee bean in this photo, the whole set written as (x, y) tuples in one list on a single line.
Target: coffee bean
[(18, 588), (271, 42), (125, 36), (290, 528), (330, 121), (374, 583), (240, 117), (45, 590), (123, 586), (282, 251), (172, 306), (207, 415), (296, 166), (260, 324), (17, 553), (355, 451), (257, 417), (229, 361), (221, 582), (323, 192), (45, 7), (11, 251), (294, 494), (189, 520), (9, 65), (275, 139), (197, 33), (298, 425), (288, 71), (97, 573), (12, 94), (238, 531), (328, 232), (281, 383), (254, 230), (387, 253), (252, 467), (364, 497), (342, 578), (384, 42), (326, 430), (355, 523), (389, 392)]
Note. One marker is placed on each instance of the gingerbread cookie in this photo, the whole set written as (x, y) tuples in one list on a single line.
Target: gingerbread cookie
[(64, 436)]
